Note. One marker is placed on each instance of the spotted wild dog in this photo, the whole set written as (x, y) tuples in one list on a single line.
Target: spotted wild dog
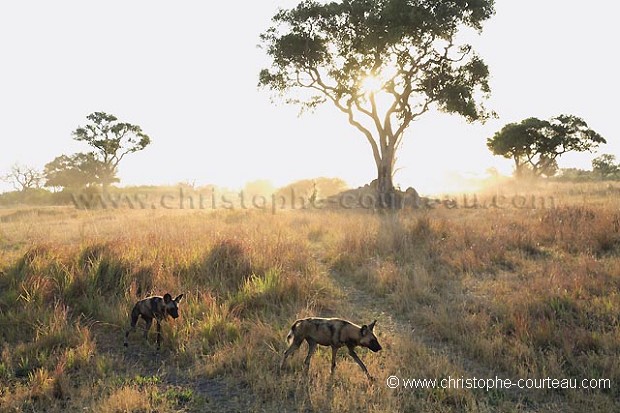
[(158, 308), (333, 332)]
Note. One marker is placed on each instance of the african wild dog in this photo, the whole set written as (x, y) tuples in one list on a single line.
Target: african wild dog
[(333, 332), (158, 308)]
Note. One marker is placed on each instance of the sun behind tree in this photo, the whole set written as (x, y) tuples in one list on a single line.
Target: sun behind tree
[(348, 52)]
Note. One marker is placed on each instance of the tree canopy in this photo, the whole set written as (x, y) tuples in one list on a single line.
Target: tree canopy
[(112, 141), (535, 145), (75, 171), (606, 166), (383, 63)]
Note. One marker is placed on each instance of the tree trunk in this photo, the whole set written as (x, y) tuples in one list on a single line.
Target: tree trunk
[(107, 178), (105, 186), (385, 185), (520, 169)]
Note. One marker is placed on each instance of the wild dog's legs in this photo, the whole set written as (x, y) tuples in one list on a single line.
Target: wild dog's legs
[(158, 334), (134, 319), (293, 347), (358, 361), (334, 351), (311, 350), (149, 322)]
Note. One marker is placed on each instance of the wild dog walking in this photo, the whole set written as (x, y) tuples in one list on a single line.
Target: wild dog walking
[(158, 308), (333, 332)]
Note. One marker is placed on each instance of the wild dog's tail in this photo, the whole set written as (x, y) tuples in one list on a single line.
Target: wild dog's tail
[(291, 333)]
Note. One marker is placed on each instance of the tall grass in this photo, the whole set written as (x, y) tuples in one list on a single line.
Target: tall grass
[(526, 293), (531, 293)]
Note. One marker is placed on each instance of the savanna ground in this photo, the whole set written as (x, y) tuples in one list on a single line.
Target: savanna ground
[(508, 292)]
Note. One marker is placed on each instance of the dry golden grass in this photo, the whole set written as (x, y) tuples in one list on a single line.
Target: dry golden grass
[(508, 292)]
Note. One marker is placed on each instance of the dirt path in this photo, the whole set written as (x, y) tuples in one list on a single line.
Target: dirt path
[(378, 307)]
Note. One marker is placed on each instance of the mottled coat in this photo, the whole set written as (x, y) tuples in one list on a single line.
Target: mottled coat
[(158, 308), (333, 332)]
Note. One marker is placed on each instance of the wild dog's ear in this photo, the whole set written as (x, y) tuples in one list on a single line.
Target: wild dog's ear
[(178, 299), (167, 298), (364, 330), (371, 326)]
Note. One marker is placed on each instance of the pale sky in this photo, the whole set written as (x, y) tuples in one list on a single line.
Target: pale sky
[(187, 73)]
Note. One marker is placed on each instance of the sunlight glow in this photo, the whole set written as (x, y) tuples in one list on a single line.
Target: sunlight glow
[(371, 84), (270, 141)]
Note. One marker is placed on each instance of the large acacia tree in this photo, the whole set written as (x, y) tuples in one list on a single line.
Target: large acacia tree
[(383, 63)]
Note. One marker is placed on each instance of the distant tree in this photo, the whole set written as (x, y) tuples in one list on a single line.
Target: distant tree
[(112, 141), (535, 145), (605, 166), (23, 177), (75, 171), (574, 175), (383, 63)]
